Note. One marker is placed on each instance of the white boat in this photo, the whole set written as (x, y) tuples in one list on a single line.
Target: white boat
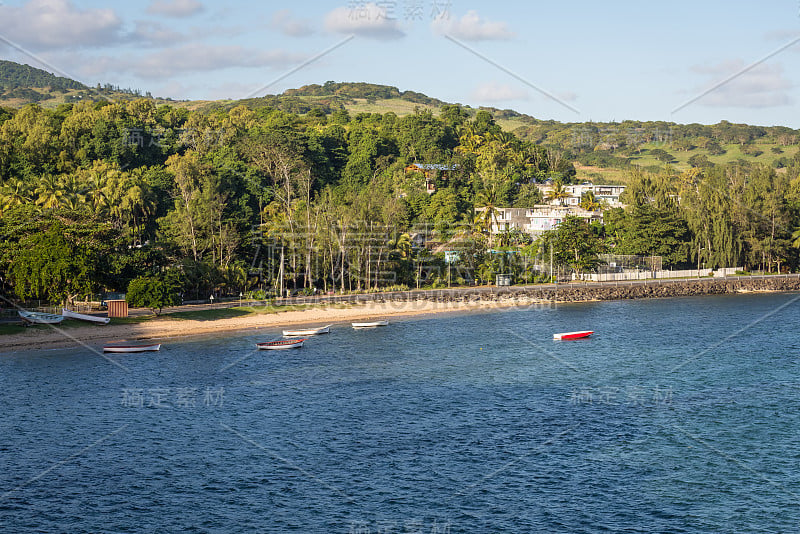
[(281, 345), (132, 348), (309, 332), (372, 324), (573, 335), (40, 318), (82, 317)]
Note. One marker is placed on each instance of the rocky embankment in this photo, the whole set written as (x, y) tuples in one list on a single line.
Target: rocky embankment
[(581, 292)]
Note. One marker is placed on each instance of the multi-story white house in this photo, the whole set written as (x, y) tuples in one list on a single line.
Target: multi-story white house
[(537, 220), (608, 194)]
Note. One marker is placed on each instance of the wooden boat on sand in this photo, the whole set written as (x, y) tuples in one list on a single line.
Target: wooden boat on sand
[(83, 317), (40, 318)]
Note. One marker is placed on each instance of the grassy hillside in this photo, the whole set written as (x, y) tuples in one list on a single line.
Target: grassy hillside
[(602, 151), (22, 84)]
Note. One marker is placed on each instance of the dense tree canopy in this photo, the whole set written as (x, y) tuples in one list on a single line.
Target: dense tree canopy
[(97, 194)]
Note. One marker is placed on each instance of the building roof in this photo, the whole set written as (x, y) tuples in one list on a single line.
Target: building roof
[(434, 167)]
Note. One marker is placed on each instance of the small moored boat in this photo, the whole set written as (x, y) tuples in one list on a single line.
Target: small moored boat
[(281, 345), (573, 335), (132, 348), (83, 317), (40, 318), (309, 332), (372, 324)]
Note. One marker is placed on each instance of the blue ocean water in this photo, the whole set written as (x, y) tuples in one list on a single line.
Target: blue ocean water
[(679, 415)]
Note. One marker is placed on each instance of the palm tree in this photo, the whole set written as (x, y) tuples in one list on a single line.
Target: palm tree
[(49, 192), (74, 193), (558, 193), (469, 141), (404, 245), (13, 193), (589, 202), (487, 199), (796, 237)]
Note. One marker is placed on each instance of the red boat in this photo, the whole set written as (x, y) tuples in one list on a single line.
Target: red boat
[(573, 335), (281, 345)]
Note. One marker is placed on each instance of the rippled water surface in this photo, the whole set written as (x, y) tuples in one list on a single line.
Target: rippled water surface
[(679, 415)]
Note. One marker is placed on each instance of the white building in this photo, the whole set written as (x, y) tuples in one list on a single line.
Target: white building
[(607, 194), (539, 219)]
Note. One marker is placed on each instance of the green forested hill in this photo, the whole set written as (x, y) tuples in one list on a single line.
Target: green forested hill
[(285, 190), (16, 76), (22, 84)]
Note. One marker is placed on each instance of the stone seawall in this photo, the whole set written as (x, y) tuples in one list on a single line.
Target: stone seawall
[(580, 292)]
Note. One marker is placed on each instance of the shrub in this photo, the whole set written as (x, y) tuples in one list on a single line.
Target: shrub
[(154, 292)]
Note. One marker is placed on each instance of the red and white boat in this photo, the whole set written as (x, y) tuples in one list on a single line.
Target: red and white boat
[(132, 348), (309, 332), (573, 335), (281, 345)]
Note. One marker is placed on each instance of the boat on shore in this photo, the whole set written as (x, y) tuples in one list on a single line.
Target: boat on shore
[(308, 332), (281, 344), (132, 348), (372, 324), (30, 317), (573, 335), (83, 317)]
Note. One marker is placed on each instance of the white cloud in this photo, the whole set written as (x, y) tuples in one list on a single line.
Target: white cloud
[(368, 20), (154, 33), (763, 86), (175, 8), (284, 22), (197, 57), (471, 27), (495, 92), (57, 24)]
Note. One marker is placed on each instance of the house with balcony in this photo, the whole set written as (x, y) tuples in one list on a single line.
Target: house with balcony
[(605, 194), (539, 219)]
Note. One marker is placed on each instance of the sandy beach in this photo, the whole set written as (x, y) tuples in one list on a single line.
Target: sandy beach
[(167, 327)]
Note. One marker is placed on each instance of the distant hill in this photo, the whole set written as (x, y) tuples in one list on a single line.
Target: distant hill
[(600, 151), (23, 84), (14, 76)]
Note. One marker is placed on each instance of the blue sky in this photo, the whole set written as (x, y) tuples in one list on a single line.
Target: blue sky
[(568, 61)]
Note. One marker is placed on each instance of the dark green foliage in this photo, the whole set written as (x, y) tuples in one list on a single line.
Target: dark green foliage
[(662, 155), (218, 196), (699, 160), (574, 245), (647, 230), (155, 291), (14, 75), (50, 266)]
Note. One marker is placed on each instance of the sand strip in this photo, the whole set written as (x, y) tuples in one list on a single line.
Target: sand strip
[(167, 327)]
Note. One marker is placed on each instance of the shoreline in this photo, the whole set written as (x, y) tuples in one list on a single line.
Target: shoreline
[(166, 327), (383, 306)]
